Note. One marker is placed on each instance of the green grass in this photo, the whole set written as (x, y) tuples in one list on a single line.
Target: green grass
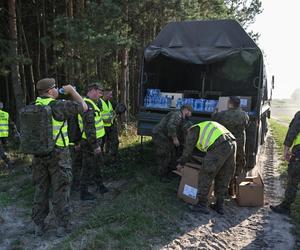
[(140, 213), (279, 132), (16, 187), (145, 211)]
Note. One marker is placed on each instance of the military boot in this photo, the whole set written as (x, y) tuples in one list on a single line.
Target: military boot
[(101, 188), (85, 195), (281, 209), (218, 206), (200, 208)]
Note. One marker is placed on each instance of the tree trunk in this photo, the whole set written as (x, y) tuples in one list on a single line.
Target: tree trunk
[(38, 64), (31, 81), (15, 75), (124, 90), (44, 34)]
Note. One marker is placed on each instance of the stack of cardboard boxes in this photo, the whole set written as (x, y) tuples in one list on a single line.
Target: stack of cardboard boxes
[(250, 192)]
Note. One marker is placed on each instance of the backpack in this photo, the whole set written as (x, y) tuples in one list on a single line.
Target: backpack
[(36, 130)]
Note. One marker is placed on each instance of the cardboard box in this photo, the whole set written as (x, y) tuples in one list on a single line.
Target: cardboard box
[(188, 187), (174, 97), (250, 192), (245, 103), (223, 103)]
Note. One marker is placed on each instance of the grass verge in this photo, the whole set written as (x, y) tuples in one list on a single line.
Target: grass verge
[(279, 132), (142, 214)]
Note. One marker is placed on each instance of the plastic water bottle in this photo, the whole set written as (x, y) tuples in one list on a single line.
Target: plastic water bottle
[(179, 103)]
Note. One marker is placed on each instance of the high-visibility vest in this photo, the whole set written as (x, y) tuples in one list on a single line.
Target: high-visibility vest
[(297, 140), (63, 138), (209, 132), (99, 126), (4, 120), (107, 113)]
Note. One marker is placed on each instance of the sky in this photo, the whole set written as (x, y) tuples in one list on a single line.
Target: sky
[(279, 28)]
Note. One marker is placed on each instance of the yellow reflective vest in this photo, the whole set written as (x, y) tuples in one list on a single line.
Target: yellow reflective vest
[(209, 132), (62, 139), (99, 126), (4, 121), (107, 113), (297, 140)]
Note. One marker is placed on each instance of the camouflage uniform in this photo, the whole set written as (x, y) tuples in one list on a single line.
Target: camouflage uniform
[(91, 164), (294, 164), (54, 171), (74, 134), (236, 121), (111, 139), (170, 126), (218, 164)]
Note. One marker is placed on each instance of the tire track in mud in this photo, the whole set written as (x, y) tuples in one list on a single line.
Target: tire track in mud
[(241, 227)]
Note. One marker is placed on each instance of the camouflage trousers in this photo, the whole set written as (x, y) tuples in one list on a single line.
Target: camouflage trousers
[(52, 171), (240, 171), (91, 166), (111, 140), (76, 158), (240, 161), (218, 166), (292, 183), (165, 153)]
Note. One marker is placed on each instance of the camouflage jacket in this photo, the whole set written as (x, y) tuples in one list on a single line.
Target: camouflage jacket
[(190, 144), (74, 131), (293, 131), (89, 126), (235, 120), (63, 110), (170, 125)]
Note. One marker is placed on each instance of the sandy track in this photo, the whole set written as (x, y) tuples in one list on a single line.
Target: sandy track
[(241, 228)]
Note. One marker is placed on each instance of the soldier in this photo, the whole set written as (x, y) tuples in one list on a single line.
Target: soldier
[(111, 138), (92, 127), (165, 137), (4, 132), (53, 170), (292, 155), (236, 121), (74, 134), (218, 163)]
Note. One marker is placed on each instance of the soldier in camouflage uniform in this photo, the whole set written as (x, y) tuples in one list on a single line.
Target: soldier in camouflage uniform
[(74, 134), (111, 139), (4, 132), (292, 155), (53, 170), (92, 127), (165, 137), (235, 120), (218, 165)]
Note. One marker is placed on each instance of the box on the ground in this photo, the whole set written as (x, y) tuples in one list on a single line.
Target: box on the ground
[(174, 97), (188, 187), (245, 103), (250, 192)]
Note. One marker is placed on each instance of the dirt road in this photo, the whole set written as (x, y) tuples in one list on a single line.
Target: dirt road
[(241, 228)]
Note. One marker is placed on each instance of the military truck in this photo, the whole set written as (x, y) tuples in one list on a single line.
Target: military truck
[(207, 60)]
